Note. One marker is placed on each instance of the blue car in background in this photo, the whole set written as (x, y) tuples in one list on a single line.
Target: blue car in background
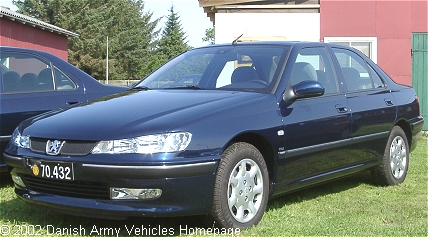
[(262, 119), (33, 82)]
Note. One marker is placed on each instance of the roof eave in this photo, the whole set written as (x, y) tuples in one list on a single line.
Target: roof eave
[(23, 19)]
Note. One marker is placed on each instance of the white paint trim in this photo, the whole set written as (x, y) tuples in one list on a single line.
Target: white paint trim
[(371, 40)]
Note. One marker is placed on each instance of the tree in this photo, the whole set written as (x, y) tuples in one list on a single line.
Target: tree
[(209, 35), (131, 32), (173, 41)]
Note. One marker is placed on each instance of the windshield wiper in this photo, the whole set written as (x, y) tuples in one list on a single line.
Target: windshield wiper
[(192, 87), (139, 88)]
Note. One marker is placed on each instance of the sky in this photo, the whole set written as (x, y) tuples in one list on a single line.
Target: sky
[(193, 19)]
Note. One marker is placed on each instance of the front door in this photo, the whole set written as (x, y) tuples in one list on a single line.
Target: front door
[(316, 129)]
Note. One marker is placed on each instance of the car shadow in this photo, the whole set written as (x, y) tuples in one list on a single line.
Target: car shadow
[(5, 180), (46, 222), (314, 192)]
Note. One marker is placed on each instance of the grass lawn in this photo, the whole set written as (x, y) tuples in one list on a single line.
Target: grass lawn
[(352, 206)]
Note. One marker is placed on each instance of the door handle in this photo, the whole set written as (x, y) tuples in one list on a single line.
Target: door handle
[(388, 102), (341, 109)]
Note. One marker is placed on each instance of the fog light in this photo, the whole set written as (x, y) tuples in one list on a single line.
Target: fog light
[(17, 180), (135, 193)]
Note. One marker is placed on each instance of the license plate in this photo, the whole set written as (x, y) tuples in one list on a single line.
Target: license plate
[(53, 170)]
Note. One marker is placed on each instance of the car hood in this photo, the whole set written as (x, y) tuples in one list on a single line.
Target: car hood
[(131, 114)]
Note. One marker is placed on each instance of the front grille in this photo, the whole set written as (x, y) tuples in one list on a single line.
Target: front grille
[(79, 189), (70, 148)]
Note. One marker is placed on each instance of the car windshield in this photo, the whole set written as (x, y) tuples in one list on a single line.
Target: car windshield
[(242, 68)]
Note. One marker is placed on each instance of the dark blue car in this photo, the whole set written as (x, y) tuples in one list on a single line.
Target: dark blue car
[(33, 82), (264, 119)]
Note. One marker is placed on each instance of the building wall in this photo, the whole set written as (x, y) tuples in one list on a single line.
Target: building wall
[(267, 26), (25, 36), (391, 22)]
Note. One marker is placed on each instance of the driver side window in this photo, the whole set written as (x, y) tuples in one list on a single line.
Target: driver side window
[(313, 64)]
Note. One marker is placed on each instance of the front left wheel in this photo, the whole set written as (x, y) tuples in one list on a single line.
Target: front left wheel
[(241, 187)]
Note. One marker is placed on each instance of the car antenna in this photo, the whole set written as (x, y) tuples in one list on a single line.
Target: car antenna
[(235, 42)]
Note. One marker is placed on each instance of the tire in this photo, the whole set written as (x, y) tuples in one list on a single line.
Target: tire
[(241, 187), (395, 162)]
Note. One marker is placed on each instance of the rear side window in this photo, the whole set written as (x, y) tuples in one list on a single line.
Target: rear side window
[(22, 73), (357, 74), (377, 82), (62, 81)]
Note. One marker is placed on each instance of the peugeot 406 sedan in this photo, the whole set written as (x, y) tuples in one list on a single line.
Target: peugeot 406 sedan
[(261, 120), (33, 82)]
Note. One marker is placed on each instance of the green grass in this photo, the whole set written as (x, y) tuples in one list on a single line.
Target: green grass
[(349, 207)]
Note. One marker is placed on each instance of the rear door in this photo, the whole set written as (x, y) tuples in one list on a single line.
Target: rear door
[(316, 129), (373, 107)]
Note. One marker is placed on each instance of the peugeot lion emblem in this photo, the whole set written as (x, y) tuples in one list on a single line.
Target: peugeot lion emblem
[(54, 147)]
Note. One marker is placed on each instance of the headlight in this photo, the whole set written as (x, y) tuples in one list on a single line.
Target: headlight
[(168, 142), (19, 140)]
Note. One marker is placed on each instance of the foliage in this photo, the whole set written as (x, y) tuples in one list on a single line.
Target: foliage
[(172, 42), (173, 39), (131, 33), (209, 35)]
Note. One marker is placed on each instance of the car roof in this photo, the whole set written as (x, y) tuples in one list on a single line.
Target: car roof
[(24, 50), (46, 55), (280, 43)]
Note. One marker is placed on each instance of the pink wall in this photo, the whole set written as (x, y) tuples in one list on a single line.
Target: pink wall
[(392, 22), (25, 36)]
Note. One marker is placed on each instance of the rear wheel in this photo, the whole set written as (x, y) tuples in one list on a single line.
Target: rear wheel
[(241, 187), (395, 162)]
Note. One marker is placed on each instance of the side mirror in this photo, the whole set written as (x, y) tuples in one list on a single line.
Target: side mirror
[(304, 89)]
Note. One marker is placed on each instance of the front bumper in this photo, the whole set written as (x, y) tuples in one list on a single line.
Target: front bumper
[(187, 189)]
